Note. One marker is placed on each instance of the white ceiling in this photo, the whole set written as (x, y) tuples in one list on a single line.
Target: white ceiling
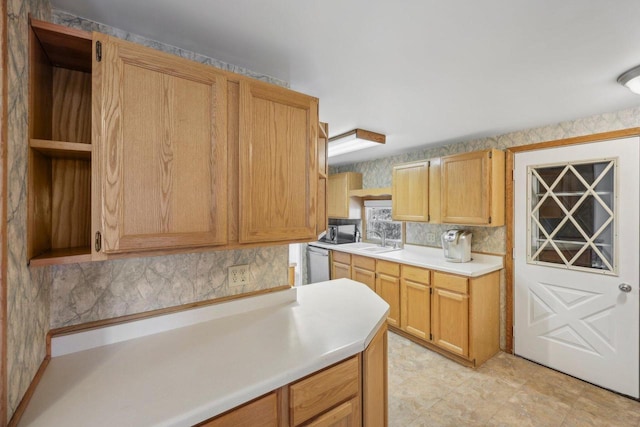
[(423, 72)]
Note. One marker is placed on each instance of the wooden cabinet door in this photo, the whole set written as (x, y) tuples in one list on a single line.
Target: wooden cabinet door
[(450, 321), (364, 276), (340, 271), (472, 189), (410, 200), (339, 204), (278, 163), (160, 150), (466, 188), (388, 287), (416, 308)]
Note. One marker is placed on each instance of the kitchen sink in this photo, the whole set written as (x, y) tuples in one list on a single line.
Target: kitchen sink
[(379, 249)]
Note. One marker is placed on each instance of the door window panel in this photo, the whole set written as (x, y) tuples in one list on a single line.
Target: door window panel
[(572, 215)]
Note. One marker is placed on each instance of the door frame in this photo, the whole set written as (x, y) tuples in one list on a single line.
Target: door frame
[(509, 187), (4, 79)]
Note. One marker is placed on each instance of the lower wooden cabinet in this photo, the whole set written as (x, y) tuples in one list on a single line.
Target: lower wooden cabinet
[(451, 321), (342, 395), (388, 287), (363, 270), (456, 315), (415, 299), (466, 315), (340, 265)]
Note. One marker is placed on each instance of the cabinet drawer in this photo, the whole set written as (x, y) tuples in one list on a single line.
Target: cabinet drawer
[(347, 414), (416, 274), (342, 257), (363, 262), (319, 392), (387, 267), (451, 282), (262, 412)]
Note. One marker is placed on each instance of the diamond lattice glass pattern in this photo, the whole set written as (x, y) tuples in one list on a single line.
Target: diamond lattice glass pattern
[(571, 215)]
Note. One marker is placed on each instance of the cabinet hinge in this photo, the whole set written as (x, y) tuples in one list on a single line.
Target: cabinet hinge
[(491, 154), (98, 51), (428, 217), (430, 337), (430, 291), (429, 164), (98, 242), (489, 220)]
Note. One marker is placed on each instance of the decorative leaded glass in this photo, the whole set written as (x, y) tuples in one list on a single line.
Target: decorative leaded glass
[(572, 215)]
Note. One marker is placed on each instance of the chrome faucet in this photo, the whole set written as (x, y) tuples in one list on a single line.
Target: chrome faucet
[(382, 235)]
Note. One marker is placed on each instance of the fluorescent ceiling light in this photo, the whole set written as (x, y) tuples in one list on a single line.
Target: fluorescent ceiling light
[(354, 140), (631, 79)]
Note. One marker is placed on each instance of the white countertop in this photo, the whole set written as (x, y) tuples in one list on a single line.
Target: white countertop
[(422, 256), (182, 368)]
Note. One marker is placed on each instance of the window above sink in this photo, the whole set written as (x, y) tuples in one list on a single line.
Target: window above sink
[(377, 222)]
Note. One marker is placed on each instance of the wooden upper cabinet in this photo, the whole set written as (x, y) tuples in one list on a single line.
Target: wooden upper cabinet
[(339, 203), (416, 191), (473, 188), (160, 149), (278, 163)]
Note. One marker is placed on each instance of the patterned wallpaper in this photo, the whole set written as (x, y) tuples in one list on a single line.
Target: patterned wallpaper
[(82, 293), (377, 173), (27, 289)]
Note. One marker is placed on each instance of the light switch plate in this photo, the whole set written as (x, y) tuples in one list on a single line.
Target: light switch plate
[(240, 275), (431, 237)]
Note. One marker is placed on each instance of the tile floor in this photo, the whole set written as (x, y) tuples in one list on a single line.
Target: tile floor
[(426, 389)]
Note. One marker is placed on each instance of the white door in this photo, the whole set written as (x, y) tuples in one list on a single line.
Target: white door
[(576, 250)]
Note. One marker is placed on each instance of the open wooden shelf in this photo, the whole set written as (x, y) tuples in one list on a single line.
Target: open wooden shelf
[(62, 256), (61, 149), (372, 193)]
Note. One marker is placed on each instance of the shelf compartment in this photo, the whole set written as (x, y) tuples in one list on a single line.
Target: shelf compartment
[(59, 164), (61, 149)]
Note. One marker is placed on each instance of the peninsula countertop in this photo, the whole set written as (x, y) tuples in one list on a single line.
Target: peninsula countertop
[(426, 257), (182, 368)]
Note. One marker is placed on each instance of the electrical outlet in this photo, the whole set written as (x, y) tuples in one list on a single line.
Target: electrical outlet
[(240, 275), (431, 237)]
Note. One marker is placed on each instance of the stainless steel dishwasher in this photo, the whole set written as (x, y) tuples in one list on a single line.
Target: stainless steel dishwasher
[(318, 264)]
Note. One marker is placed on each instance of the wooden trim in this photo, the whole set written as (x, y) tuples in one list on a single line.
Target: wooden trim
[(66, 330), (576, 140), (15, 418), (508, 261), (509, 188), (4, 80)]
